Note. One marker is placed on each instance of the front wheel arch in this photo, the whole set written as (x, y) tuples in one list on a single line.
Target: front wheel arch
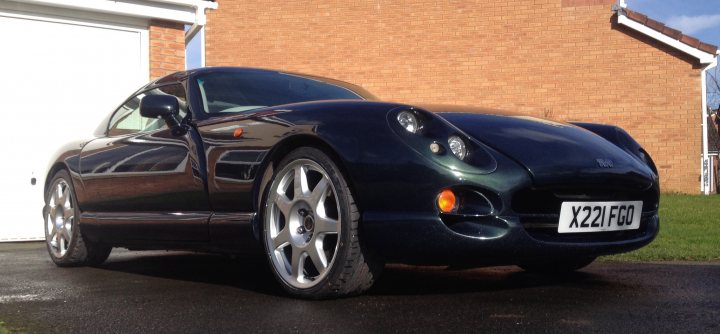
[(75, 249), (353, 267), (56, 167), (277, 153)]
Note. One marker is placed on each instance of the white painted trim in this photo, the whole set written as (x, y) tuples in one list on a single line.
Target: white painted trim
[(712, 175), (199, 5), (187, 11), (139, 11), (52, 13), (189, 3), (145, 53), (90, 22), (202, 47), (200, 18), (190, 33), (702, 56), (184, 11), (705, 167)]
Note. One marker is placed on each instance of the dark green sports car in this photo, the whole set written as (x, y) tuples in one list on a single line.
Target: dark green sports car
[(329, 183)]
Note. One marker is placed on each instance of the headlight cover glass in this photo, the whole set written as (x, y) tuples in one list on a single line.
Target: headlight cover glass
[(432, 130), (457, 147), (409, 121)]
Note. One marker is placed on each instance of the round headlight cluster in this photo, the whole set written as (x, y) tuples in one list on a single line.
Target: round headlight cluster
[(409, 121), (457, 147)]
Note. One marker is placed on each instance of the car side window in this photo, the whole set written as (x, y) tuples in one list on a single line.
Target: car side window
[(127, 118)]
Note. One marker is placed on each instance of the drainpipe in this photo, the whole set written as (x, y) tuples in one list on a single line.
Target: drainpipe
[(705, 168), (705, 58), (199, 26), (200, 17)]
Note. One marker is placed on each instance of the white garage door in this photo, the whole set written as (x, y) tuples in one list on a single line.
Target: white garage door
[(58, 79)]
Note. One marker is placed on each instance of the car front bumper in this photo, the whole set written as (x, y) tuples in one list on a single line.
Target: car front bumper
[(426, 239)]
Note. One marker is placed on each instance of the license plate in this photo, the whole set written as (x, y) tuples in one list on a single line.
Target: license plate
[(580, 217)]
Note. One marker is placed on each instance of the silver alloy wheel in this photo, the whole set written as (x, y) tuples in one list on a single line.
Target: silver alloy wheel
[(60, 219), (302, 223)]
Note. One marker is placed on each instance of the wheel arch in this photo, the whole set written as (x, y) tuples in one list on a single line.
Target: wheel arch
[(54, 168), (277, 153), (67, 158)]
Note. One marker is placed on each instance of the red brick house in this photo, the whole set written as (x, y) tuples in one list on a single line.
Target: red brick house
[(586, 60)]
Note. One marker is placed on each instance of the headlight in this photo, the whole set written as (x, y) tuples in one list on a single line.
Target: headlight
[(457, 147), (409, 121)]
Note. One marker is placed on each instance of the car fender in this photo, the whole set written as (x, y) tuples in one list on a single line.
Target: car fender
[(370, 154), (621, 139), (68, 157)]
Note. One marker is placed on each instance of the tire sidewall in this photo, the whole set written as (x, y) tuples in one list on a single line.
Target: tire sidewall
[(326, 285), (65, 259)]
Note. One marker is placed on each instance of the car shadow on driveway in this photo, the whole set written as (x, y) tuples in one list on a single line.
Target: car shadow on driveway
[(253, 274), (413, 280), (248, 273)]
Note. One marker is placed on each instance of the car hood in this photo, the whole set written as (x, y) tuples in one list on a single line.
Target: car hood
[(555, 154)]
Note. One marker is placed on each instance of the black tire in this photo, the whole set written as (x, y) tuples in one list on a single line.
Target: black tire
[(351, 270), (559, 266), (77, 251)]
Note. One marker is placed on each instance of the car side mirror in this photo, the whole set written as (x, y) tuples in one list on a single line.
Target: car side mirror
[(166, 107)]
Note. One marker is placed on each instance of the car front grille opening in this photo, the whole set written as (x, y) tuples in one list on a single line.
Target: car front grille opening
[(539, 212)]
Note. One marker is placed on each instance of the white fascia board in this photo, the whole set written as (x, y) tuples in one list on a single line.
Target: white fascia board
[(191, 3), (178, 11), (199, 5), (702, 56)]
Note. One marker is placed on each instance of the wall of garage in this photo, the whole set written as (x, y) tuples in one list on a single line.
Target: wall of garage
[(561, 59)]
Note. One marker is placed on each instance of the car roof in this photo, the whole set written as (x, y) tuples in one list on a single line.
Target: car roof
[(183, 75)]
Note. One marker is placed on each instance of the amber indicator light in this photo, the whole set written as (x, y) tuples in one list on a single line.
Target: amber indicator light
[(446, 201), (238, 133)]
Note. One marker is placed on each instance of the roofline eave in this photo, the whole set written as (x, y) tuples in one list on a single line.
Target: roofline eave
[(702, 56), (182, 11)]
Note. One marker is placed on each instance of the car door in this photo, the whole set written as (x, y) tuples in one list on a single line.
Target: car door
[(141, 182)]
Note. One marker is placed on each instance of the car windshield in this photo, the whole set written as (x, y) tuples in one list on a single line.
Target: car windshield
[(243, 91)]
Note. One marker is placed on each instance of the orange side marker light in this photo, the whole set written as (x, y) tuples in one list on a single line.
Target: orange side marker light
[(238, 133), (446, 201)]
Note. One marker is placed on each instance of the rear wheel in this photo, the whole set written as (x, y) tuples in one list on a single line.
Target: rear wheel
[(310, 229), (65, 243), (558, 266)]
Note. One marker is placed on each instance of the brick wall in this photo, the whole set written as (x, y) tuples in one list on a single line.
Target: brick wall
[(167, 48), (562, 59)]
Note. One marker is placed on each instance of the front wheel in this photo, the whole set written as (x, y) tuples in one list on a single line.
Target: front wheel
[(65, 243), (310, 229)]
